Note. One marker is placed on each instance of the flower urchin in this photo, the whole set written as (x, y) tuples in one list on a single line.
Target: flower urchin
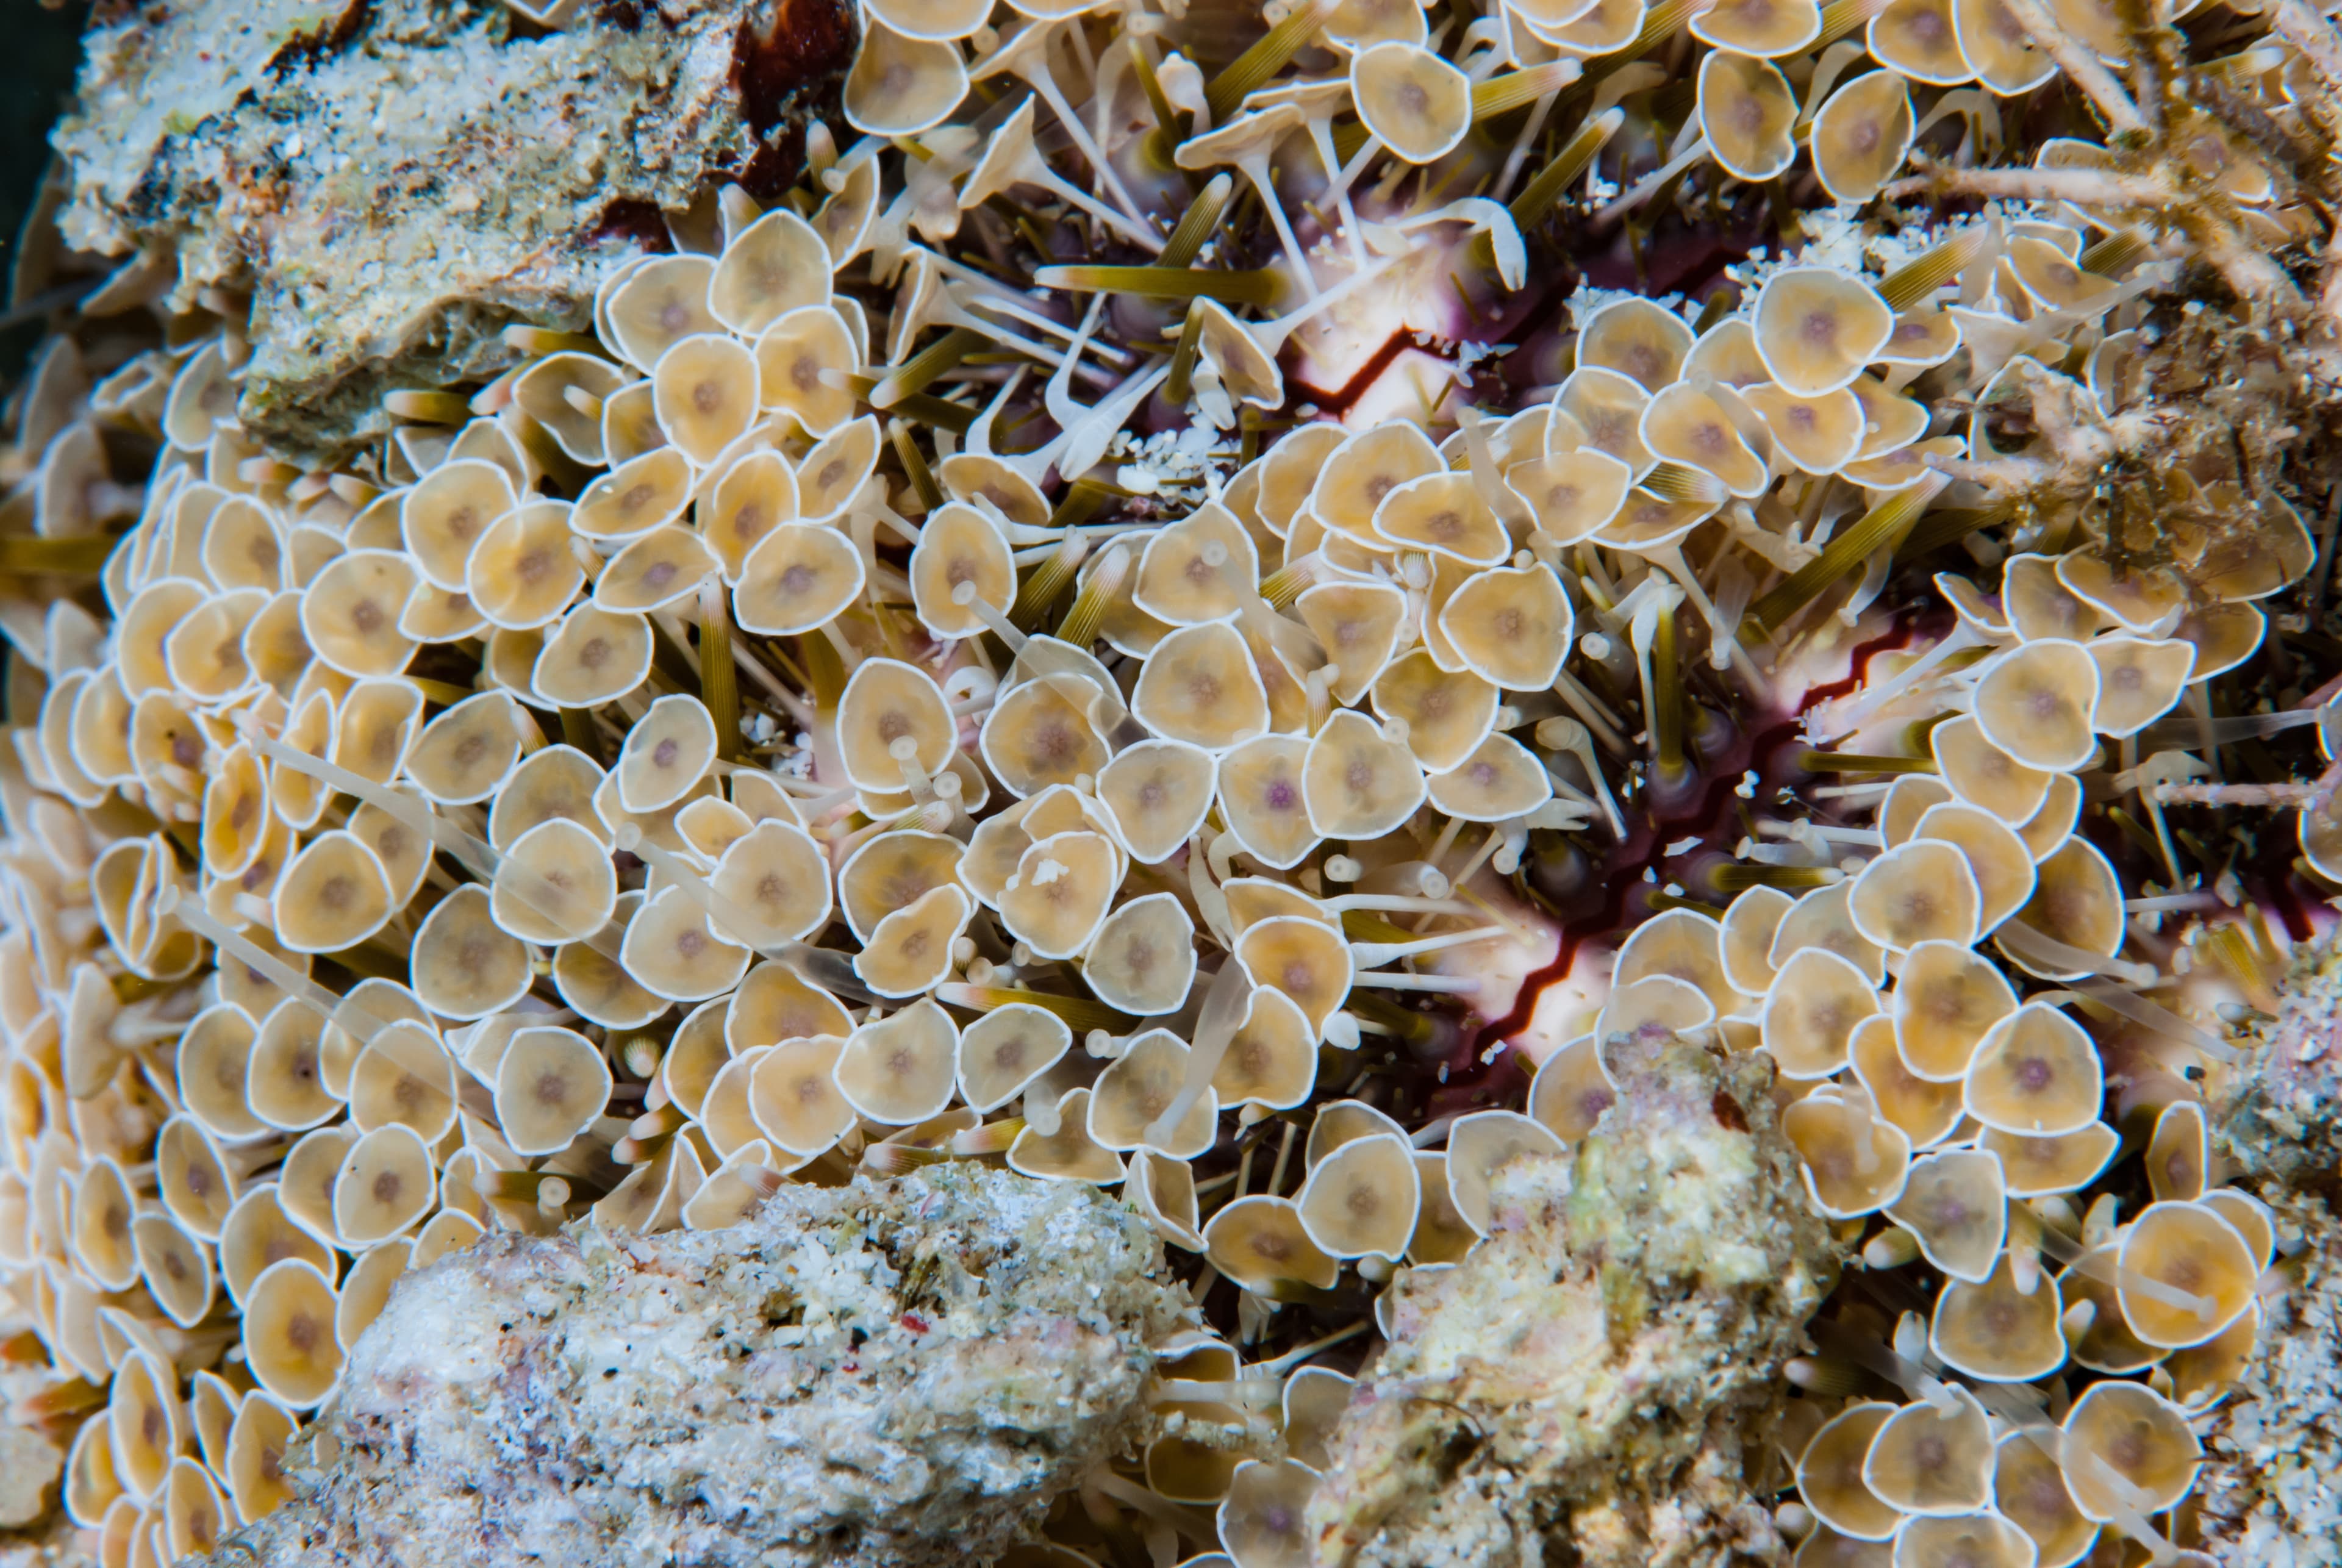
[(811, 725)]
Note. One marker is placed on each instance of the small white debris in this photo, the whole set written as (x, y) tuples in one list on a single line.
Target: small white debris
[(1587, 299)]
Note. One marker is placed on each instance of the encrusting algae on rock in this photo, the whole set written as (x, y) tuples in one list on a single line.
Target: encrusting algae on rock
[(895, 1372), (1595, 1382), (385, 185), (2272, 1486)]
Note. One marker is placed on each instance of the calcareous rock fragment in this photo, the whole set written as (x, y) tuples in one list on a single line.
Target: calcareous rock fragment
[(2272, 1489), (1576, 1389), (29, 1467), (393, 183), (893, 1373), (1003, 591)]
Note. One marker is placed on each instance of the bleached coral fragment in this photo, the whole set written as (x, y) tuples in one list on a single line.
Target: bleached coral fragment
[(1581, 1386), (896, 1372)]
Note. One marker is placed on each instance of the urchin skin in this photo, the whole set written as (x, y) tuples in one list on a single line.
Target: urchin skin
[(891, 1373)]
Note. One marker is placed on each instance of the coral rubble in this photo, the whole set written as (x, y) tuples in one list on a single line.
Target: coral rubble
[(898, 1372), (30, 1466), (2279, 1119), (391, 182), (1594, 1384), (2270, 1494), (2272, 1487)]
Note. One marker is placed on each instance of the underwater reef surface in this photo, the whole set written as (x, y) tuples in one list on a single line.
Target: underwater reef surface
[(1533, 782)]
